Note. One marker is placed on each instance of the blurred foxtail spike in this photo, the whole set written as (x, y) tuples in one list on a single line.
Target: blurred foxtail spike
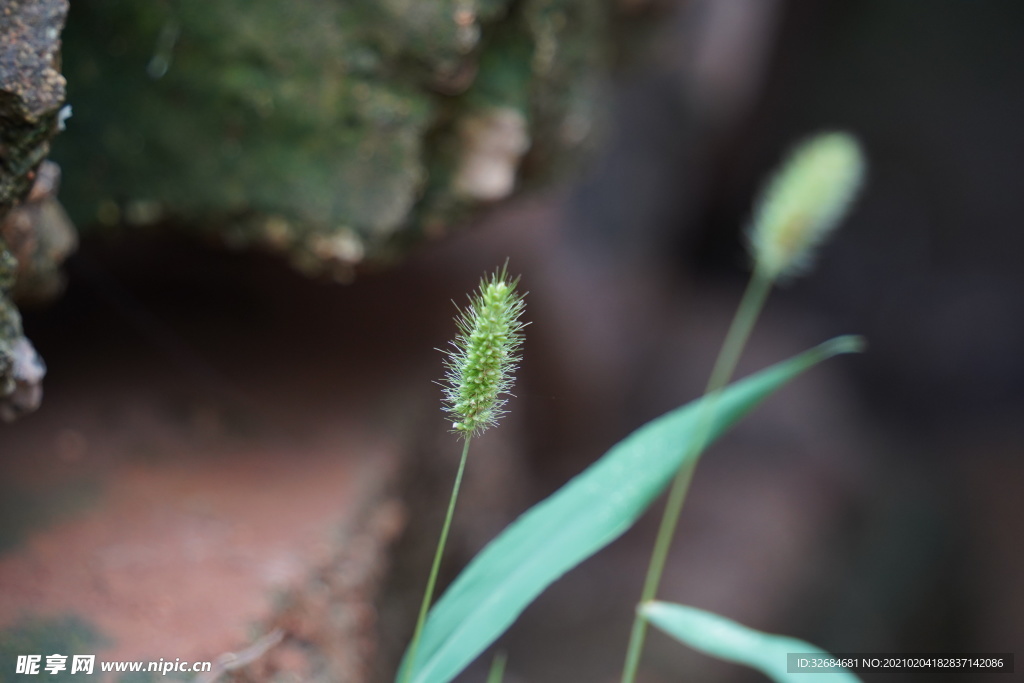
[(803, 202)]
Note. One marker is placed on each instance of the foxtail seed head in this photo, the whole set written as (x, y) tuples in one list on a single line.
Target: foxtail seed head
[(804, 202), (484, 355)]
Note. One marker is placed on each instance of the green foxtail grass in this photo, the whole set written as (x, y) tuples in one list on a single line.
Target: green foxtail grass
[(480, 367), (605, 500), (797, 210), (804, 202), (484, 355)]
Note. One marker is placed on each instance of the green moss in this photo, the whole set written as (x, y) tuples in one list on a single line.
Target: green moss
[(330, 121), (23, 511), (67, 635)]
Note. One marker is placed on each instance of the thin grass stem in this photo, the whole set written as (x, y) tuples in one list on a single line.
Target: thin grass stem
[(428, 594), (497, 672), (754, 296)]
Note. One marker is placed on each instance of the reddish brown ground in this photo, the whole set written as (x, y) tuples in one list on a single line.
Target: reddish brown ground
[(208, 440), (180, 554)]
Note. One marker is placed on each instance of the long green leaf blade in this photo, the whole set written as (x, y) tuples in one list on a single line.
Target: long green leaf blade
[(585, 515), (725, 639)]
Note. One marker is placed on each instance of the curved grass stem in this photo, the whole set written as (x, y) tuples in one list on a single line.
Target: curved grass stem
[(735, 340), (428, 594)]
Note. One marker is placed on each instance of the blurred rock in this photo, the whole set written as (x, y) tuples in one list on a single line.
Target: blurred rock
[(31, 91), (40, 236), (494, 142), (23, 390), (335, 134), (21, 368), (33, 241), (35, 238)]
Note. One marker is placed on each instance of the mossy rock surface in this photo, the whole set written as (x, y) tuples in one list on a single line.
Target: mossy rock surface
[(337, 133), (31, 91)]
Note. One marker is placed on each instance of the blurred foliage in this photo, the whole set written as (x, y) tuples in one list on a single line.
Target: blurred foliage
[(66, 635)]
